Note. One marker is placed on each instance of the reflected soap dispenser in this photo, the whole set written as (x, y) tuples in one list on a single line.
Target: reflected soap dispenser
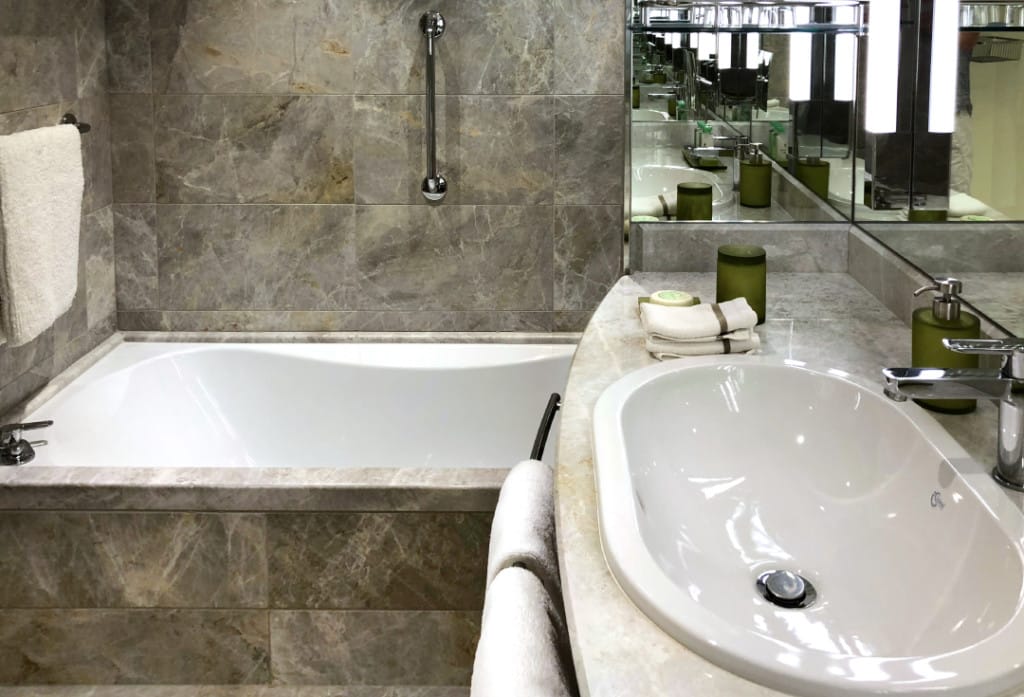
[(945, 319), (755, 177)]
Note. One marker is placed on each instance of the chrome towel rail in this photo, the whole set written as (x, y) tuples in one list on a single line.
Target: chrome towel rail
[(434, 186)]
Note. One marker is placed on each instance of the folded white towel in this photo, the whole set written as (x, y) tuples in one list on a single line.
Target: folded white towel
[(523, 531), (521, 650), (704, 321), (41, 184), (744, 341)]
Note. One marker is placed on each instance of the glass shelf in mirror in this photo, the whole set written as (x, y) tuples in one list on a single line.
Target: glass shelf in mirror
[(787, 16)]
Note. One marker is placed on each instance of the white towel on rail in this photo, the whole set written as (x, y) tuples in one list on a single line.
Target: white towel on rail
[(520, 653), (41, 185), (523, 532)]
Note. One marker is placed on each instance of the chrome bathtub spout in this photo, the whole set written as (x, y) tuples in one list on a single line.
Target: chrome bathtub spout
[(1006, 386)]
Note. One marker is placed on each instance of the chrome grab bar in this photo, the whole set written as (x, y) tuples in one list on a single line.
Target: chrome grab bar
[(434, 186)]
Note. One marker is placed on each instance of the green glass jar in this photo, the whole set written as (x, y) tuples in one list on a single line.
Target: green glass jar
[(927, 215), (693, 201), (756, 182), (636, 95), (742, 273), (814, 173)]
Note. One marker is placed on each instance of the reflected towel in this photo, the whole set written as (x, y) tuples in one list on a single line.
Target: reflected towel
[(41, 185), (523, 531), (522, 649), (703, 322), (744, 341)]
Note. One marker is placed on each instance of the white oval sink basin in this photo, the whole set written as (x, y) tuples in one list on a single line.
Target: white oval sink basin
[(654, 188), (650, 115), (713, 471)]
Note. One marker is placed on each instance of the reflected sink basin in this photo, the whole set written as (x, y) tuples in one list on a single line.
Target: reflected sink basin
[(654, 188), (713, 471)]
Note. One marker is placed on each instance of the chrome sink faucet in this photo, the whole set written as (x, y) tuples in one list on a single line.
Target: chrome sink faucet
[(1005, 385)]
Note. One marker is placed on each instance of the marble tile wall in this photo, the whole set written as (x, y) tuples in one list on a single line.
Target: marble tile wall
[(53, 60), (175, 598), (267, 160)]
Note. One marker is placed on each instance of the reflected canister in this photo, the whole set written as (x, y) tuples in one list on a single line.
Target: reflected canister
[(693, 201), (742, 273)]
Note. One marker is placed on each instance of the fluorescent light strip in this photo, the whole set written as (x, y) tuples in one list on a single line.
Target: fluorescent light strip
[(945, 50), (724, 51), (845, 79), (753, 51), (800, 58), (883, 66), (705, 46)]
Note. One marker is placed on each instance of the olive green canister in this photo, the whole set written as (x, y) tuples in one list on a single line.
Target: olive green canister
[(927, 215), (693, 201), (755, 179), (945, 319), (814, 172), (636, 95), (742, 273)]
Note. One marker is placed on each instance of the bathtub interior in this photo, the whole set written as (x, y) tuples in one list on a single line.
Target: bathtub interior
[(305, 405)]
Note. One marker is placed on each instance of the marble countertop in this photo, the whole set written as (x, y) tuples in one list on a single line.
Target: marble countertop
[(820, 318)]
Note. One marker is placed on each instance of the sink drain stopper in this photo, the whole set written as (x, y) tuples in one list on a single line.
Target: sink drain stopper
[(786, 589)]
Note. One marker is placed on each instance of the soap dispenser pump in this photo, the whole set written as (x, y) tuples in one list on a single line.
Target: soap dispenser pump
[(755, 177), (945, 319)]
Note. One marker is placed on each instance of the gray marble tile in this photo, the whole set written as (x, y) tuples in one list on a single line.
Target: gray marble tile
[(378, 561), (251, 46), (388, 51), (135, 257), (255, 257), (571, 320), (336, 321), (588, 254), (98, 245), (17, 360), (373, 648), (254, 149), (133, 646), (953, 248), (790, 248), (90, 46), (589, 141), (390, 157), (95, 152), (105, 560), (38, 117), (129, 66), (453, 258), (132, 148), (501, 150), (589, 55), (498, 47), (890, 279), (231, 691), (38, 57)]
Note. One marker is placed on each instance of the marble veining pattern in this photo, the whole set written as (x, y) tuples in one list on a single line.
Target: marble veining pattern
[(253, 149), (357, 648), (384, 561), (133, 647), (104, 560), (232, 691), (618, 650)]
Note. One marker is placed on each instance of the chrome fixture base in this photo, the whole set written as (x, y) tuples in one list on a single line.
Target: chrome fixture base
[(14, 450), (432, 24), (435, 188), (786, 589)]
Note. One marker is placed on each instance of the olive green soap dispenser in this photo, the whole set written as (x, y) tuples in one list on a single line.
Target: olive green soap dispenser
[(943, 320), (755, 178)]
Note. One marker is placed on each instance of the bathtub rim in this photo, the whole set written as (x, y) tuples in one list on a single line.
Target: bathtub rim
[(258, 489)]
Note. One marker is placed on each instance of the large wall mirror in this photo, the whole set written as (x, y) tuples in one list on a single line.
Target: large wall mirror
[(976, 234), (756, 103)]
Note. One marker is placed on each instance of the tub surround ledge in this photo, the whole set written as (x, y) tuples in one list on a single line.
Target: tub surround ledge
[(822, 318)]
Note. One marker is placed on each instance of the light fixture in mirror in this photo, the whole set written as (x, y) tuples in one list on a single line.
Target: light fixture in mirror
[(883, 59), (993, 16), (945, 51), (749, 15)]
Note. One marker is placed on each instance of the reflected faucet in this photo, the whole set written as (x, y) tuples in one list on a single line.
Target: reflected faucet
[(1005, 386)]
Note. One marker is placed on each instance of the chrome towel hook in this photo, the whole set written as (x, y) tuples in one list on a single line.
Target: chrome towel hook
[(70, 119), (435, 186)]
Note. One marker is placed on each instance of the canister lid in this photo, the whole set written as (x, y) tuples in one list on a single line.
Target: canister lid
[(693, 188), (741, 254)]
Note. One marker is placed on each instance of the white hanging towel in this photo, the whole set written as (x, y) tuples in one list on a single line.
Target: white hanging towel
[(523, 531), (41, 185), (519, 654)]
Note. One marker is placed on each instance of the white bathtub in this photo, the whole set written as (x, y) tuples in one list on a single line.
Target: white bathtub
[(336, 405)]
